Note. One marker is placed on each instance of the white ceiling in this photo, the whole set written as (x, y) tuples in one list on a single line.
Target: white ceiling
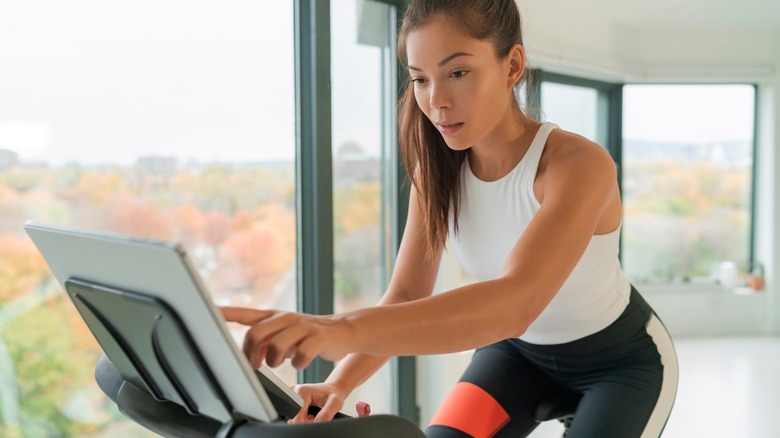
[(646, 14), (654, 39)]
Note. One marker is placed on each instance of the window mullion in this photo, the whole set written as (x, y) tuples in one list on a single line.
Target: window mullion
[(314, 179)]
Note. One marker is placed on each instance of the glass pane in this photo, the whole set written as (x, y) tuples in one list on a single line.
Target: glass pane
[(363, 77), (687, 170), (573, 108), (151, 118)]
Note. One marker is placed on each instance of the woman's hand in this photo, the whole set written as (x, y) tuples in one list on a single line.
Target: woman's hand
[(274, 336), (329, 398)]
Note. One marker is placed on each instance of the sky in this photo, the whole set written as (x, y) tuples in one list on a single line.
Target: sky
[(697, 114), (107, 81)]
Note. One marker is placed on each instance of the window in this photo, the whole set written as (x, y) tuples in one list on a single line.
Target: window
[(573, 108), (687, 180), (363, 102), (171, 120), (146, 120)]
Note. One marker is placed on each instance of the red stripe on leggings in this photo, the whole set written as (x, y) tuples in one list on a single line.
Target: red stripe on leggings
[(470, 409)]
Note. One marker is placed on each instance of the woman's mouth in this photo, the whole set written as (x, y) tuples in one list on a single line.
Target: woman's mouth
[(448, 128)]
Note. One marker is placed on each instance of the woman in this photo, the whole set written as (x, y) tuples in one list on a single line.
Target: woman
[(534, 213)]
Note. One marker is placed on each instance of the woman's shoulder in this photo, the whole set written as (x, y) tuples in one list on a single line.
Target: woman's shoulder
[(572, 152), (563, 141)]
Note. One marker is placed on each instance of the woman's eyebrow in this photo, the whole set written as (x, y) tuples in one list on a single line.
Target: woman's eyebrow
[(443, 61)]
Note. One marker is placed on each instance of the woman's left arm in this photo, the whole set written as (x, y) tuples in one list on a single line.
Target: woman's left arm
[(579, 184)]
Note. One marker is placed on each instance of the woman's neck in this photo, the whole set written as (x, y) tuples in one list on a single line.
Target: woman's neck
[(496, 155)]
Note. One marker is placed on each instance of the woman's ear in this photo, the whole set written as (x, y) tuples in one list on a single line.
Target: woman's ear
[(516, 64)]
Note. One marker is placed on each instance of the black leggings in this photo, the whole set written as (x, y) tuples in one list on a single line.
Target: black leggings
[(626, 374)]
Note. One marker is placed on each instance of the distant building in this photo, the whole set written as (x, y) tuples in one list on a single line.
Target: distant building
[(8, 159), (157, 166), (155, 172), (352, 164)]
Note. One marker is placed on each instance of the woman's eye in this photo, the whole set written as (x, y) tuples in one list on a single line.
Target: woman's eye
[(418, 81), (459, 74)]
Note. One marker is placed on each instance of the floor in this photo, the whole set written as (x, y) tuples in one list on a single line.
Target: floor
[(729, 387)]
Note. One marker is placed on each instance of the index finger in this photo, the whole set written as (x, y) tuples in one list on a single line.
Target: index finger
[(303, 414), (245, 316), (328, 411)]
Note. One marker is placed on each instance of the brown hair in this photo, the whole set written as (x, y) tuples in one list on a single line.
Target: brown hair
[(422, 146)]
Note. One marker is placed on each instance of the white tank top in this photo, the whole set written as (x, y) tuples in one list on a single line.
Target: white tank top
[(493, 216)]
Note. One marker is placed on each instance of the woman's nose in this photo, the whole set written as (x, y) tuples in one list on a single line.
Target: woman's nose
[(439, 97)]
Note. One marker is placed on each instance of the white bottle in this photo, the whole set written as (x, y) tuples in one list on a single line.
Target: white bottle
[(727, 274)]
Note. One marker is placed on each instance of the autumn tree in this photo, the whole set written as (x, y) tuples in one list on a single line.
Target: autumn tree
[(22, 268)]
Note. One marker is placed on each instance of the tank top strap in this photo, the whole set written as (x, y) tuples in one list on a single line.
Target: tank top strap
[(534, 153)]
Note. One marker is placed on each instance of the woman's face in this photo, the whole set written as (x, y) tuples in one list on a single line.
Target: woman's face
[(459, 83)]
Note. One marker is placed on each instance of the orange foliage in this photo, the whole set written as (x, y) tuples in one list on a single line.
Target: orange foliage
[(261, 252), (190, 221), (21, 267), (242, 220), (279, 218), (217, 227), (358, 207), (7, 193), (98, 187), (140, 218)]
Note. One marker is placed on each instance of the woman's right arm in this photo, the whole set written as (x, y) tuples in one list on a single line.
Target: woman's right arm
[(413, 277)]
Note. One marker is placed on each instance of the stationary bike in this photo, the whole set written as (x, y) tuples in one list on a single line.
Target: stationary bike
[(171, 420)]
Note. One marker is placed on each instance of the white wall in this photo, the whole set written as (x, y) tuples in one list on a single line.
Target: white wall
[(769, 235)]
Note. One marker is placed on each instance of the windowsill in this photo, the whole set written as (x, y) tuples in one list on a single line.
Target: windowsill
[(677, 288), (747, 291), (695, 289)]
